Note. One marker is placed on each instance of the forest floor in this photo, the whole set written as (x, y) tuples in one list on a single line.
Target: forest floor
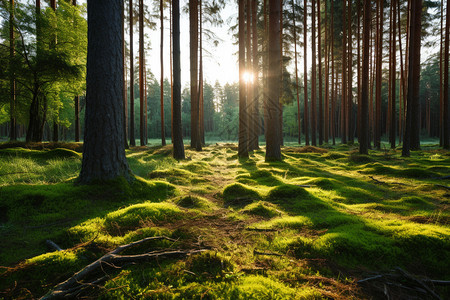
[(325, 223)]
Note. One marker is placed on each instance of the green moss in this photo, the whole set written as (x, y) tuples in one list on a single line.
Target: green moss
[(287, 191), (239, 194), (262, 209), (133, 215), (194, 202), (209, 264)]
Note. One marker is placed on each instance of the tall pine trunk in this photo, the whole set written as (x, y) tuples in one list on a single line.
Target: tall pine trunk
[(364, 124), (313, 74), (305, 72), (411, 139), (273, 139), (378, 79), (141, 73), (319, 54), (177, 130), (446, 132), (161, 47), (243, 142), (193, 46), (350, 127), (12, 82), (103, 150), (296, 76), (392, 74), (132, 125)]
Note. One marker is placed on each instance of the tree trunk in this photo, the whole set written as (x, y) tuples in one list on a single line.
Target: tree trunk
[(193, 38), (333, 83), (103, 151), (243, 143), (344, 120), (378, 74), (201, 115), (392, 74), (319, 52), (305, 72), (296, 76), (12, 51), (55, 118), (446, 132), (313, 74), (358, 80), (255, 124), (141, 74), (178, 148), (364, 138), (163, 132), (273, 151), (124, 91), (350, 127), (327, 78), (132, 138), (411, 139)]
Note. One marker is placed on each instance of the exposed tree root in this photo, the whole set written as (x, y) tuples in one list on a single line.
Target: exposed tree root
[(75, 284)]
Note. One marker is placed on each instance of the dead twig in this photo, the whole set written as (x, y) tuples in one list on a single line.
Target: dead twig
[(114, 258), (256, 252)]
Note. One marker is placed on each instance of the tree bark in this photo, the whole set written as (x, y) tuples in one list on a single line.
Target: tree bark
[(193, 38), (124, 92), (255, 124), (350, 127), (243, 142), (392, 73), (344, 117), (313, 74), (178, 147), (411, 139), (446, 132), (327, 78), (364, 124), (296, 76), (273, 140), (305, 72), (103, 150), (12, 82), (132, 138), (378, 79), (319, 54), (141, 74), (163, 132)]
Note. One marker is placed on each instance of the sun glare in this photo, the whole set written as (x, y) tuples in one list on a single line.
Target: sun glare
[(247, 77)]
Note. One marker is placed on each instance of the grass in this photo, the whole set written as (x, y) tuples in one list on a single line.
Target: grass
[(332, 216)]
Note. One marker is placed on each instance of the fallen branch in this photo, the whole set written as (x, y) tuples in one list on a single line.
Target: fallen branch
[(53, 245), (262, 229), (443, 177), (404, 281), (419, 282), (256, 252), (443, 186), (75, 283)]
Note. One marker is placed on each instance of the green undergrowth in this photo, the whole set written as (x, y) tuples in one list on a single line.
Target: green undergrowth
[(307, 227)]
